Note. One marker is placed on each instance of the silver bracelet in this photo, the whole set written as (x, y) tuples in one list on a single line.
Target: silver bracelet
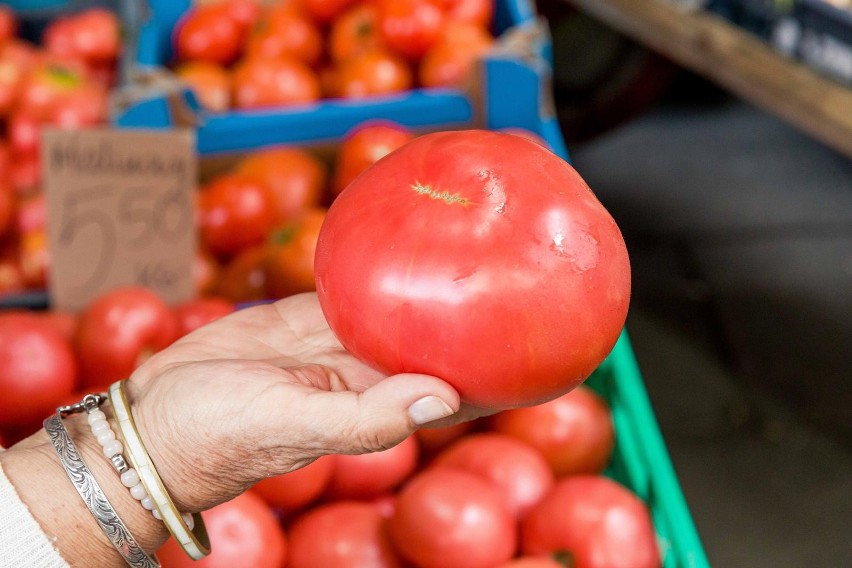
[(93, 496)]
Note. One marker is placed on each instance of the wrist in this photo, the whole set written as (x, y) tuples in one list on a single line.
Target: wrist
[(195, 467), (42, 483)]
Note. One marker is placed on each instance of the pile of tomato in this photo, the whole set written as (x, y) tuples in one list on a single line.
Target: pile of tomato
[(244, 54), (522, 489), (63, 82)]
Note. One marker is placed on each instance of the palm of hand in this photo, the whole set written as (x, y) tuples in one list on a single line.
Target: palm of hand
[(240, 387)]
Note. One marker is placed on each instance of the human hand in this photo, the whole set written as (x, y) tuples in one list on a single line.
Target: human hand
[(267, 390)]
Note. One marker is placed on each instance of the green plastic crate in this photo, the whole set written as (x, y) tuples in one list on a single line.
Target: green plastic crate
[(640, 459)]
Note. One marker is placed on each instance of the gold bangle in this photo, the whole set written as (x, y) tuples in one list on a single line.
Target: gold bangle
[(194, 542)]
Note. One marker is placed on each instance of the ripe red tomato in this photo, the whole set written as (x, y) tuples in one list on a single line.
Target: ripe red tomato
[(450, 62), (25, 175), (450, 517), (37, 369), (205, 272), (11, 79), (118, 331), (574, 432), (236, 212), (364, 146), (478, 12), (56, 37), (285, 32), (209, 82), (325, 11), (246, 13), (482, 258), (24, 132), (295, 178), (376, 72), (31, 214), (244, 532), (261, 82), (601, 524), (63, 322), (519, 472), (95, 35), (243, 279), (11, 279), (299, 488), (198, 312), (209, 32), (364, 476), (410, 27), (344, 533), (290, 252), (8, 24), (355, 32), (46, 84), (35, 259), (86, 106), (7, 207)]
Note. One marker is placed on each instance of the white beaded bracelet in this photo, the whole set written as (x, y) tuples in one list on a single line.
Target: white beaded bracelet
[(190, 536), (113, 450)]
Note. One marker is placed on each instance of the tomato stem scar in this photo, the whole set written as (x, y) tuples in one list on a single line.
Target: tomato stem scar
[(445, 196)]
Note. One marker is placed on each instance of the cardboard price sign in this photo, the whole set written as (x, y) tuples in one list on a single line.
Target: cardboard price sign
[(119, 212)]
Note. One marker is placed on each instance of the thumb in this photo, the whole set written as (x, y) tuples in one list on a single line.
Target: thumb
[(383, 415)]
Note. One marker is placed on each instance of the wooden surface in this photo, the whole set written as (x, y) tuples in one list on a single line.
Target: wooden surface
[(736, 60)]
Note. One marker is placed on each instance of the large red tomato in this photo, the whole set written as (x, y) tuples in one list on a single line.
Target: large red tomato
[(364, 146), (243, 532), (574, 432), (448, 517), (118, 331), (520, 473), (478, 257), (601, 524), (299, 488), (348, 534), (295, 178), (37, 369), (236, 212), (364, 476)]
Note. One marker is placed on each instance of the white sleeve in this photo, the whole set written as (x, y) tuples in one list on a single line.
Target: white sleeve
[(22, 542)]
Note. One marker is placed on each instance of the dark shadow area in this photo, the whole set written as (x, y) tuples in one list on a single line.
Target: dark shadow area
[(740, 233)]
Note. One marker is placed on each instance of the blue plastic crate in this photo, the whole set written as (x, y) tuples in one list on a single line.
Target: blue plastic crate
[(323, 120)]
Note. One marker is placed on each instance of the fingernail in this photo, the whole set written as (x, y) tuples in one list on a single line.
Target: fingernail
[(428, 409)]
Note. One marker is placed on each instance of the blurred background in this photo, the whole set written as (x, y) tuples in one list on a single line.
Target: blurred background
[(740, 232)]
